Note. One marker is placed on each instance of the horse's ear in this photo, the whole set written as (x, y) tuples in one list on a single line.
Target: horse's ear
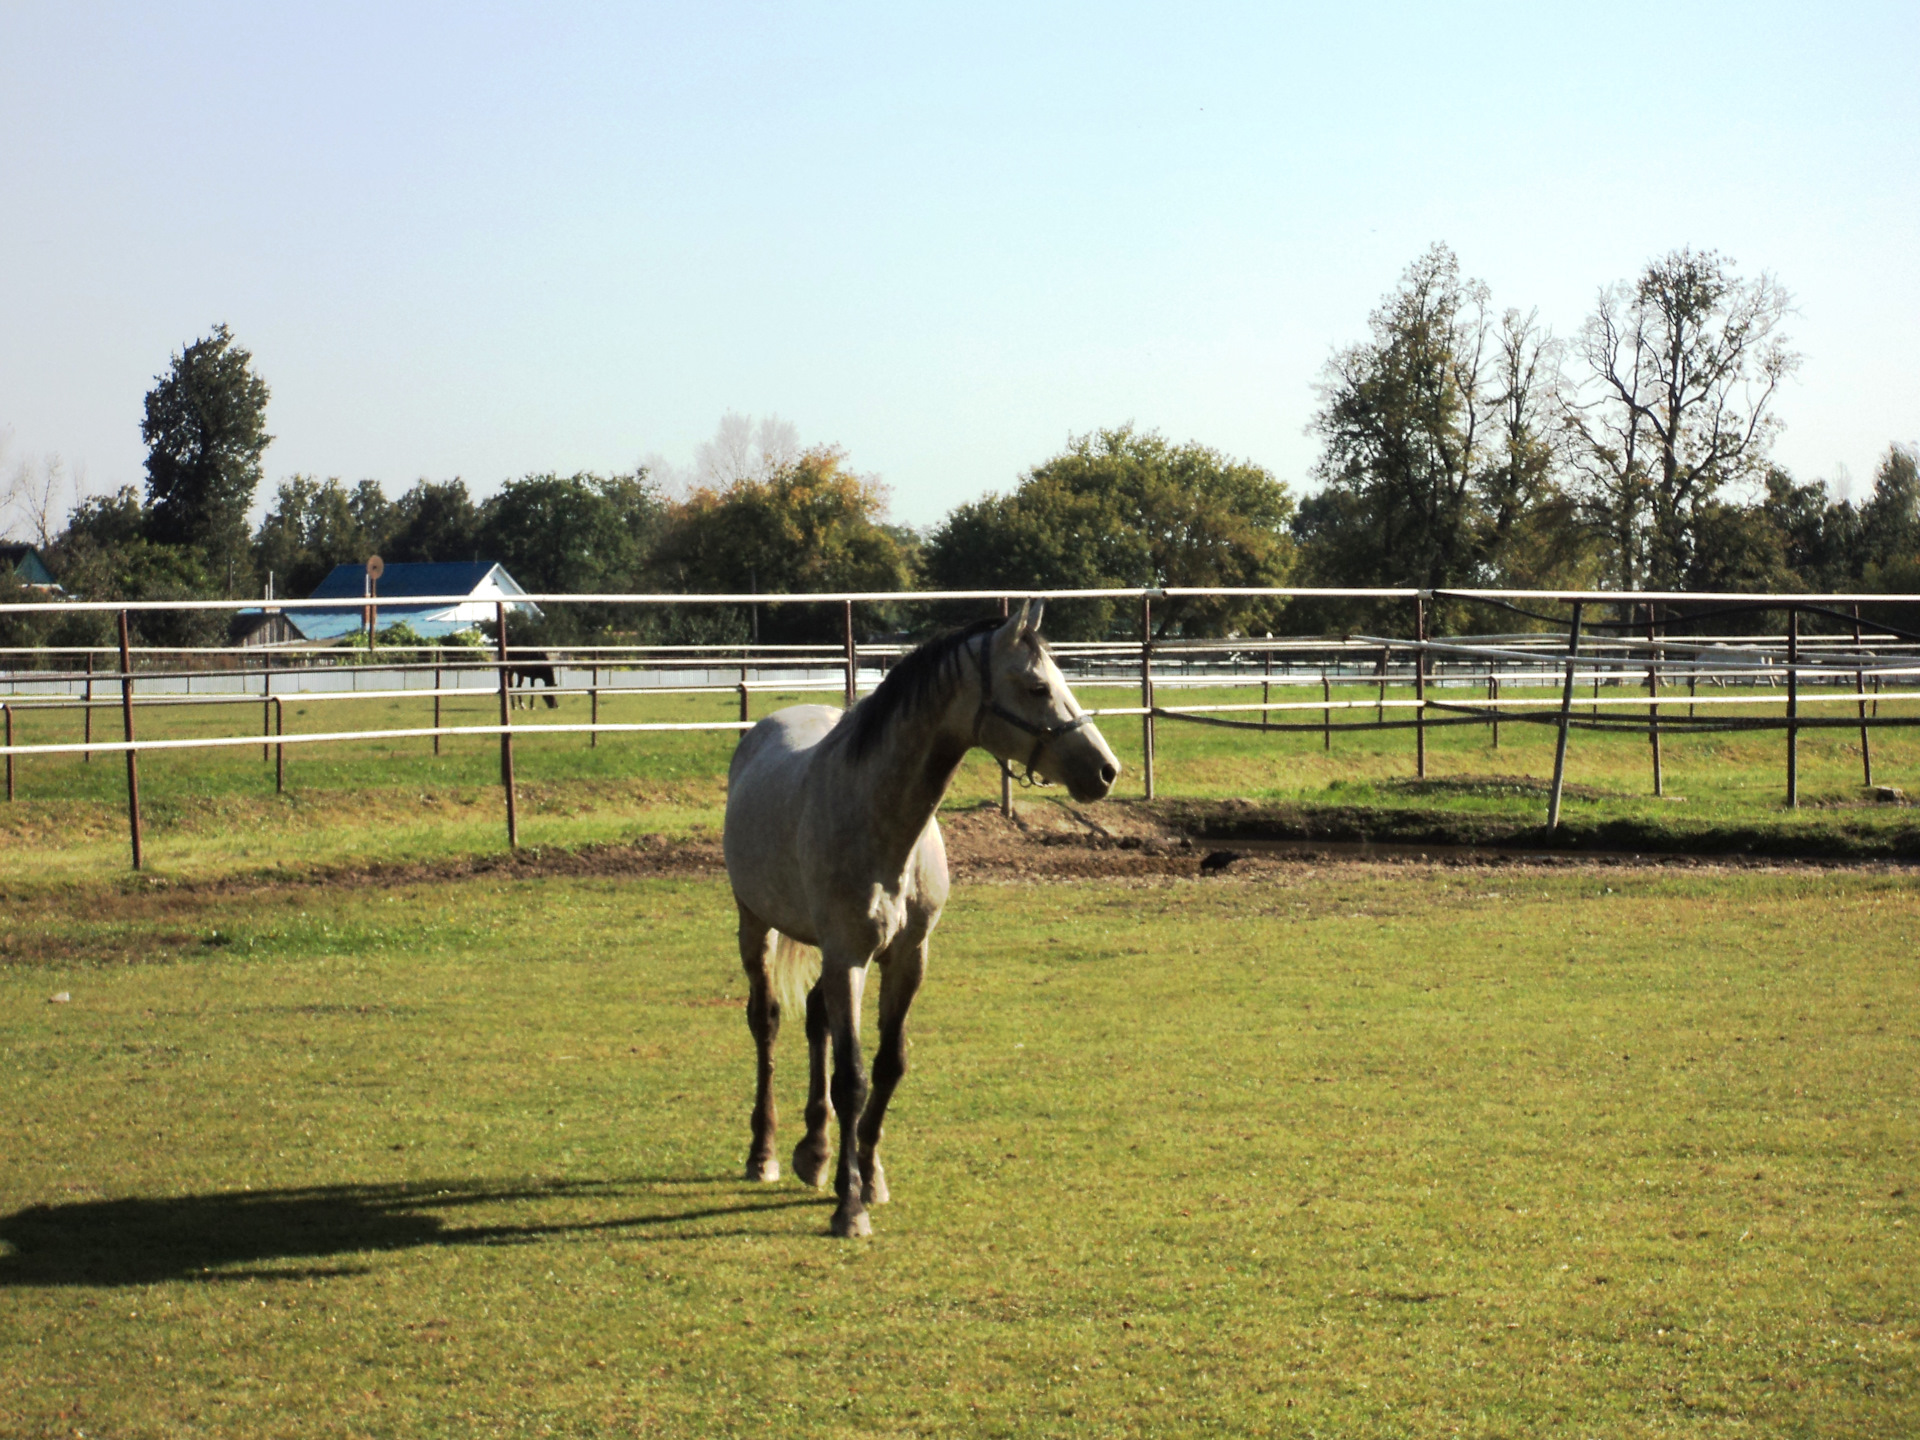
[(1032, 625), (1013, 628)]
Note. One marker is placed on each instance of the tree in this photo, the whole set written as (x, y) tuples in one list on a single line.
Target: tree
[(104, 554), (581, 533), (205, 430), (434, 522), (1119, 508), (1403, 418), (811, 524), (315, 525), (1682, 368), (1440, 466)]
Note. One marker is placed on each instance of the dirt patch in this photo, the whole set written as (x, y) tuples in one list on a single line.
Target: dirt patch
[(1052, 840)]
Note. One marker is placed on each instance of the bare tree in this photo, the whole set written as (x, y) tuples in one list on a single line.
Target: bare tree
[(36, 496), (1682, 368), (741, 450)]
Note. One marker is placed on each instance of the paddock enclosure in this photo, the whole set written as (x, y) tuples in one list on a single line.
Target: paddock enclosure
[(344, 1117), (1629, 671)]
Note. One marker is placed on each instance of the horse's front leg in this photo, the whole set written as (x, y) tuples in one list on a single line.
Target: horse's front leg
[(901, 972), (763, 1019), (841, 985)]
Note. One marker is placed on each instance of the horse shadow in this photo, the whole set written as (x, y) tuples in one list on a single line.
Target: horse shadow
[(310, 1232)]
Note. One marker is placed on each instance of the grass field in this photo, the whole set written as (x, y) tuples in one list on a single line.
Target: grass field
[(207, 811), (1351, 1150)]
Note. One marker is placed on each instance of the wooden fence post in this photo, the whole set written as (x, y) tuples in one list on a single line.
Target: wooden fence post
[(1420, 687), (1793, 708), (1653, 705), (506, 732), (1860, 689), (133, 758), (1146, 692), (1566, 712)]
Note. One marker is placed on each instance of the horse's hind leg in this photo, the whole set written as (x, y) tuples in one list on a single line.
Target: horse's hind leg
[(811, 1155), (900, 975), (763, 1019)]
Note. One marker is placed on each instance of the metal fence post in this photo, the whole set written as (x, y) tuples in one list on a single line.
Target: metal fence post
[(436, 709), (87, 710), (279, 751), (1006, 771), (1860, 689), (1266, 692), (1420, 687), (1146, 692), (1793, 708), (1566, 712), (7, 710), (133, 758), (1493, 694), (743, 702), (1654, 655), (1326, 710), (506, 732), (593, 696), (853, 659)]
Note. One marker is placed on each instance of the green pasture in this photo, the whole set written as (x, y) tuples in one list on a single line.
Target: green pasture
[(208, 809), (1347, 1151)]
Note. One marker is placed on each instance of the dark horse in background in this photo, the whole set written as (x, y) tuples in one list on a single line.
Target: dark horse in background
[(528, 668)]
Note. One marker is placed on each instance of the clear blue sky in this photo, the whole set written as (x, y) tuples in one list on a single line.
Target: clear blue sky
[(480, 240)]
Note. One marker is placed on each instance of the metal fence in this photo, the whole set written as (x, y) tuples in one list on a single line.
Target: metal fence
[(1836, 676)]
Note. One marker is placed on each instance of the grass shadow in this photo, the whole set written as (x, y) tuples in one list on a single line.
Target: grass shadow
[(254, 1234)]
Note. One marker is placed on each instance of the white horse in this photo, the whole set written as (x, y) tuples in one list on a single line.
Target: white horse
[(831, 843)]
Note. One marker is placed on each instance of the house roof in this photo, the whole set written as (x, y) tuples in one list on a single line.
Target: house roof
[(485, 581), (23, 562), (443, 577)]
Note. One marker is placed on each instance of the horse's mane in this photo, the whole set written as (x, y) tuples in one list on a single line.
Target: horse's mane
[(910, 684)]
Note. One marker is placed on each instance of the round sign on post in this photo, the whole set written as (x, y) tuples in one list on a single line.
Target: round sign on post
[(376, 567)]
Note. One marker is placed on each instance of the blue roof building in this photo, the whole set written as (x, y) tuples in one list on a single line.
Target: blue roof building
[(23, 562), (482, 583)]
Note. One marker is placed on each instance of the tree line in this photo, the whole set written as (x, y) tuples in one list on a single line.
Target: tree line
[(1462, 446)]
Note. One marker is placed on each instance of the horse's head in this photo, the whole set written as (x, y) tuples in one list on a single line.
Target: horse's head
[(1029, 717)]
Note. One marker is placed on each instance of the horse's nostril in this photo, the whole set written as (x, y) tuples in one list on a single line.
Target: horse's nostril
[(1108, 774)]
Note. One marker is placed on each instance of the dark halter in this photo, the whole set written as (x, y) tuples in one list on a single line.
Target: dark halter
[(1043, 735)]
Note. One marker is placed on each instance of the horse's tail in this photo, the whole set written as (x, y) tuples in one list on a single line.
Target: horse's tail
[(792, 974)]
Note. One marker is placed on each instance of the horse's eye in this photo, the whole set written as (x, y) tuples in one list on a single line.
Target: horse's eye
[(1040, 692)]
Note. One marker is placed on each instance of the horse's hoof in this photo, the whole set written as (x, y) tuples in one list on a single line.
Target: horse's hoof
[(763, 1170), (810, 1165), (874, 1190), (852, 1227)]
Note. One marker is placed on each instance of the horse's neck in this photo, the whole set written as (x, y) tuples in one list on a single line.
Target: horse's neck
[(907, 774)]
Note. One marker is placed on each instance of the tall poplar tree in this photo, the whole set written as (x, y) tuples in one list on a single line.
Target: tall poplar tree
[(205, 428)]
